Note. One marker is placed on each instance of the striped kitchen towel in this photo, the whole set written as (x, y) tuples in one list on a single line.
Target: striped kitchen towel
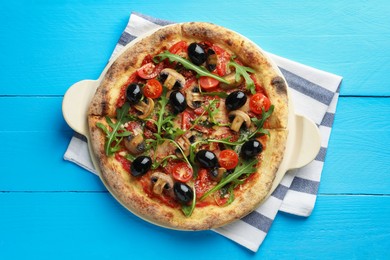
[(315, 95)]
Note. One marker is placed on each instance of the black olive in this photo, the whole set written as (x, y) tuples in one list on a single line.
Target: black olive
[(214, 173), (195, 89), (133, 93), (177, 101), (184, 193), (211, 63), (251, 148), (235, 100), (192, 138), (140, 165), (196, 53), (163, 77), (207, 159)]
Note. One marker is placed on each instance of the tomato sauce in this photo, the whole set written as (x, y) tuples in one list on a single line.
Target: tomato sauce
[(124, 162)]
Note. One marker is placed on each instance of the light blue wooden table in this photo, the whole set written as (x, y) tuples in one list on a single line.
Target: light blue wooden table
[(52, 209)]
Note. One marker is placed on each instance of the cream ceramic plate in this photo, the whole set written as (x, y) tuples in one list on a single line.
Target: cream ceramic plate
[(303, 141)]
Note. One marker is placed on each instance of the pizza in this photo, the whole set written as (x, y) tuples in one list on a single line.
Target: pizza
[(189, 126)]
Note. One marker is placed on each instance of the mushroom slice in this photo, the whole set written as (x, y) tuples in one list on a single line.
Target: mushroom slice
[(172, 79), (185, 144), (134, 144), (193, 97), (239, 118), (231, 78), (145, 107), (161, 182)]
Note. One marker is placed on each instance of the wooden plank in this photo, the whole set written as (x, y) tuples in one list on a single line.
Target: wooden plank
[(33, 161), (358, 152), (43, 225), (55, 45), (31, 114)]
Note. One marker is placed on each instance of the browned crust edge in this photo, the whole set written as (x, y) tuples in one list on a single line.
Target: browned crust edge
[(125, 188)]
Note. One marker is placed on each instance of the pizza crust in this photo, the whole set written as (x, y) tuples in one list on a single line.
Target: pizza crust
[(129, 192), (127, 188), (250, 55)]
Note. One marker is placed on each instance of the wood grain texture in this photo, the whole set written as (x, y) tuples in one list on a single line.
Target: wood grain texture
[(53, 209), (93, 225), (63, 43)]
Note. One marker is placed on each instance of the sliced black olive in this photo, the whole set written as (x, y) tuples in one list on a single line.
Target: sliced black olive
[(196, 53), (140, 165), (235, 100), (217, 173), (163, 77), (207, 159), (195, 89), (177, 101), (214, 173), (250, 149), (211, 63), (133, 93), (192, 138), (184, 193)]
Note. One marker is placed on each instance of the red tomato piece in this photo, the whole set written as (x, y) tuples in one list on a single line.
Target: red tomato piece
[(208, 83), (182, 172), (202, 183), (186, 120), (150, 70), (223, 58), (198, 111), (258, 102), (228, 159), (179, 48), (148, 59), (152, 89), (258, 86)]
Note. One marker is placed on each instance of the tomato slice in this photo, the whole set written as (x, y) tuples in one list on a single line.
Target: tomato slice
[(202, 183), (223, 58), (228, 159), (186, 120), (258, 102), (258, 86), (150, 70), (208, 83), (182, 172), (179, 48), (152, 89)]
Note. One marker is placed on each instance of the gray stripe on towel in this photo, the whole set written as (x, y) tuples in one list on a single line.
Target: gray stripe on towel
[(126, 38), (304, 185), (280, 192), (152, 19), (321, 155), (308, 88), (258, 221), (328, 119)]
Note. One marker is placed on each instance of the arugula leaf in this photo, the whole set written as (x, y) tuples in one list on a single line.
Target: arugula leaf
[(188, 209), (213, 110), (163, 161), (243, 168), (218, 94), (260, 122), (243, 71), (187, 64), (115, 136)]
